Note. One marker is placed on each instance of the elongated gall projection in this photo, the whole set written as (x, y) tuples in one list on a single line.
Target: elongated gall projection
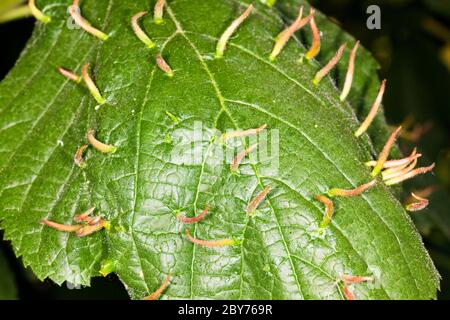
[(330, 65), (158, 11), (315, 47), (285, 35), (410, 175), (251, 207), (238, 159), (74, 11), (398, 171), (61, 227), (352, 192), (245, 133), (222, 44), (350, 73), (349, 279), (348, 293), (385, 152), (83, 216), (38, 14), (95, 92), (355, 279), (138, 30), (85, 231), (100, 146), (211, 243), (196, 219), (162, 64), (155, 295), (329, 210), (78, 158), (419, 204), (397, 163), (69, 74), (373, 111)]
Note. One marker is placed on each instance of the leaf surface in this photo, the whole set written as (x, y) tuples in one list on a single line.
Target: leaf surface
[(151, 178)]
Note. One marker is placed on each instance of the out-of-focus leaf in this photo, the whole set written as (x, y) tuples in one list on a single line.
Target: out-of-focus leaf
[(8, 289)]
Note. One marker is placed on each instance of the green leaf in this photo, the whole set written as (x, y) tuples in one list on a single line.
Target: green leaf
[(150, 179), (8, 289)]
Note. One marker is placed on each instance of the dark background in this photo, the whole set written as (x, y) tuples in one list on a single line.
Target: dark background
[(413, 48)]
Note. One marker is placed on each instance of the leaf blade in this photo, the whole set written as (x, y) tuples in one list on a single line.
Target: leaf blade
[(141, 186)]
